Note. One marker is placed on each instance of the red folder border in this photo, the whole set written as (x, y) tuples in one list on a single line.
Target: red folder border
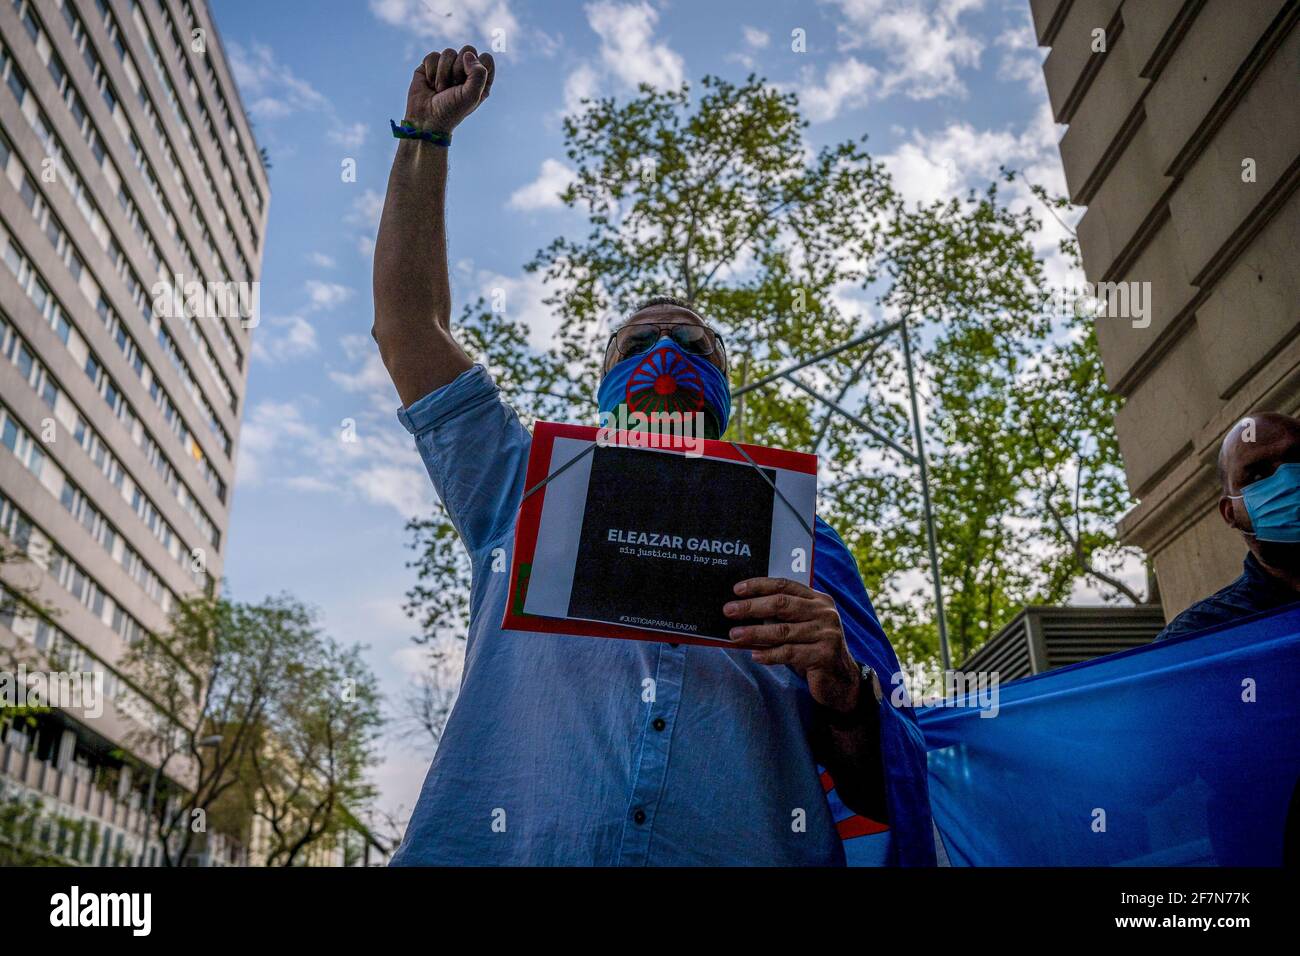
[(530, 515)]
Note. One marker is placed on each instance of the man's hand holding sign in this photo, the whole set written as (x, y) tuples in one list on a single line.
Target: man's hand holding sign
[(698, 737), (802, 630)]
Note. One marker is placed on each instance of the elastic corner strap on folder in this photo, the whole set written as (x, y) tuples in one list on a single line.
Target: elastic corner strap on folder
[(762, 474), (771, 484), (559, 471)]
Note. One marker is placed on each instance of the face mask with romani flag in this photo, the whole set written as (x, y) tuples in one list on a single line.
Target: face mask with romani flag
[(667, 380)]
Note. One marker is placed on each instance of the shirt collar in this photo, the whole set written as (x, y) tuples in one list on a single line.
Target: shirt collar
[(1258, 577)]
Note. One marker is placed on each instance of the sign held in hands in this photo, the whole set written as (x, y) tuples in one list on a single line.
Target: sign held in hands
[(647, 542)]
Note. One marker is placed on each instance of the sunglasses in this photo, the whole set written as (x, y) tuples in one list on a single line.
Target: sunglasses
[(689, 337)]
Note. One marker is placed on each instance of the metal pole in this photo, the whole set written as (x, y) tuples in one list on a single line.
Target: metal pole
[(855, 419), (925, 496), (844, 390), (857, 340), (919, 437)]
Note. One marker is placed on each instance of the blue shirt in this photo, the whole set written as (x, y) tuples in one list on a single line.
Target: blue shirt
[(1256, 590), (569, 750)]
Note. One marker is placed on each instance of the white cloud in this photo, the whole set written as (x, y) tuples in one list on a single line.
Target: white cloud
[(266, 426), (284, 338), (544, 191), (944, 163), (522, 297), (412, 659), (1022, 59), (349, 136), (322, 260), (274, 92), (628, 55), (365, 213), (404, 489), (271, 88), (627, 47), (582, 84), (947, 162), (310, 483), (325, 295), (455, 22), (370, 376), (922, 42), (368, 457), (366, 210), (755, 38), (847, 85)]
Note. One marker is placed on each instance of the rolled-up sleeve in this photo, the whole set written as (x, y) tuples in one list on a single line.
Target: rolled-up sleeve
[(476, 452)]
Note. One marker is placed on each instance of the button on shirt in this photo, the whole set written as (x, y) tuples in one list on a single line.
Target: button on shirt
[(568, 750)]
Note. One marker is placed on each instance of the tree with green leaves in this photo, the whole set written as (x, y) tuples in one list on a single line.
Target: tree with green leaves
[(310, 771), (23, 817), (718, 199), (19, 601), (247, 701)]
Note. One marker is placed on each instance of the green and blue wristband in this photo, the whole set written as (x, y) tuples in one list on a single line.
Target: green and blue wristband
[(408, 130)]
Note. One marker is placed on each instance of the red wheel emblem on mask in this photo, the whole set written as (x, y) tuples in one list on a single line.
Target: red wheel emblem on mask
[(664, 382)]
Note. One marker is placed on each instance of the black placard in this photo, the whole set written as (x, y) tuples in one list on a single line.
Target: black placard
[(665, 538)]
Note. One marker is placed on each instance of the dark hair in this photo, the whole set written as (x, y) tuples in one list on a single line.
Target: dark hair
[(650, 303), (663, 300)]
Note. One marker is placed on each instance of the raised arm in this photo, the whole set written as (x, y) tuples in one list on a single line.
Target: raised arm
[(412, 288)]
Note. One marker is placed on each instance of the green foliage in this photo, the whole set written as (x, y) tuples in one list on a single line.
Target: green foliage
[(18, 602), (317, 747), (787, 252), (257, 711), (30, 835)]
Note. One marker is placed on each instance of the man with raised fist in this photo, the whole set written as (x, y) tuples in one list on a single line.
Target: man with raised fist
[(566, 750)]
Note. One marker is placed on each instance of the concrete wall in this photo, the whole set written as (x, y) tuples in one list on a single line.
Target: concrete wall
[(1160, 124)]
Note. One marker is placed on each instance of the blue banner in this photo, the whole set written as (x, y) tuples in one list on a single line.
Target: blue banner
[(1181, 753)]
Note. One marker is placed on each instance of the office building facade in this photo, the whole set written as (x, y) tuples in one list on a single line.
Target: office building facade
[(129, 169)]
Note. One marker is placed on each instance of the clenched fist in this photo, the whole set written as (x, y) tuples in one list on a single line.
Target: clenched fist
[(447, 87)]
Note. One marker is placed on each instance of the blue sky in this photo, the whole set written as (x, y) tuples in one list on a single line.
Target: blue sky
[(946, 89)]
